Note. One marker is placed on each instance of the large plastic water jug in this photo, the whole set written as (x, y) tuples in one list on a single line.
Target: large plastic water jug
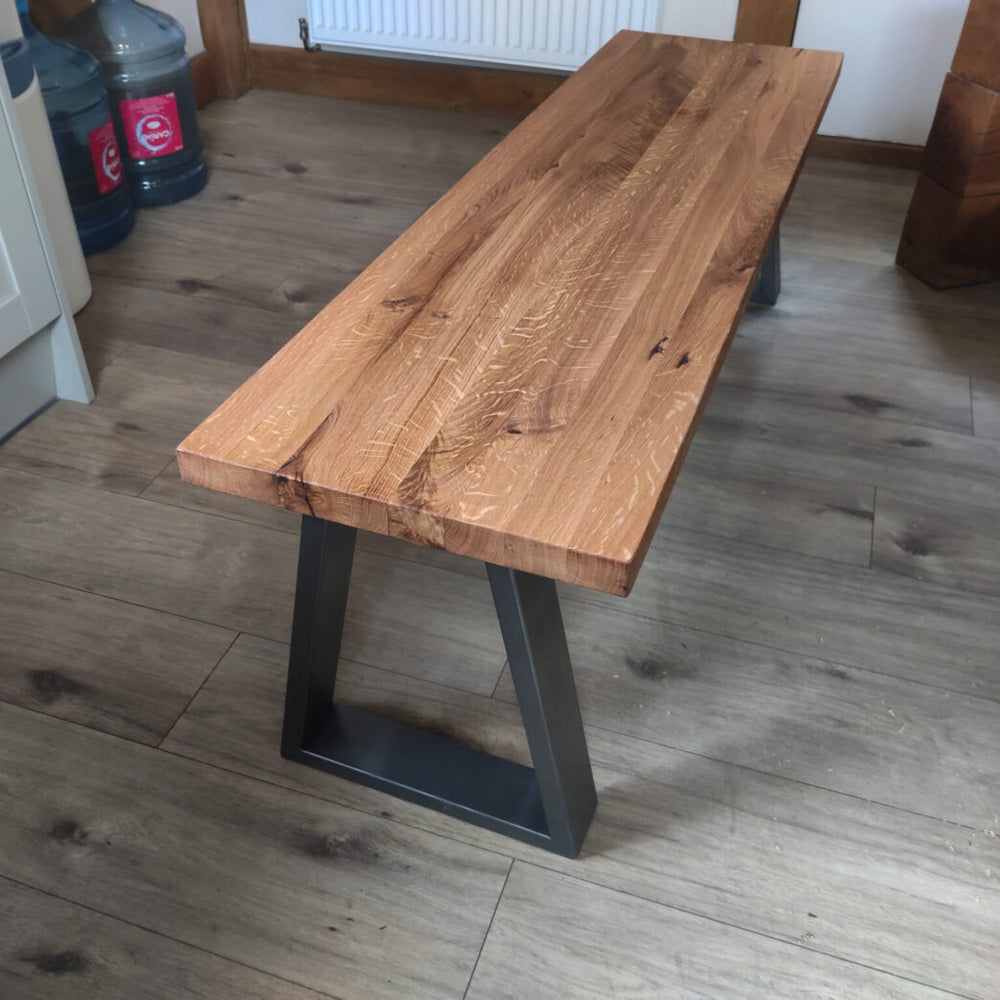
[(148, 78), (80, 118)]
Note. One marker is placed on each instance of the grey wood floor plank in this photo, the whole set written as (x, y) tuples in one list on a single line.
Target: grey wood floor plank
[(877, 312), (410, 617), (848, 383), (179, 321), (94, 445), (891, 889), (951, 544), (419, 151), (102, 663), (150, 380), (54, 950), (748, 426), (854, 617), (849, 730), (242, 275), (147, 400), (771, 507), (312, 893), (206, 568), (554, 937), (844, 211)]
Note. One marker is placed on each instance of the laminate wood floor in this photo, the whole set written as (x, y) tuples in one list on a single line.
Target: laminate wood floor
[(794, 720)]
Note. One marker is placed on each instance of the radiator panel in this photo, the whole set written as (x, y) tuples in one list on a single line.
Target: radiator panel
[(549, 34)]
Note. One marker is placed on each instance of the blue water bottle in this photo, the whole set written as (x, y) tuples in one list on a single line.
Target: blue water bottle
[(80, 118), (148, 78)]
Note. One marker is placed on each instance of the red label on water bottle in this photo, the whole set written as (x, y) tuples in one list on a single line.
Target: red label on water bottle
[(152, 126), (106, 156)]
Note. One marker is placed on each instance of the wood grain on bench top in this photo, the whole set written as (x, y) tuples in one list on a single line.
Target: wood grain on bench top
[(518, 376)]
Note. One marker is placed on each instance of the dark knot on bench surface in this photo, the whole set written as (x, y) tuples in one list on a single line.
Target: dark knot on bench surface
[(517, 379)]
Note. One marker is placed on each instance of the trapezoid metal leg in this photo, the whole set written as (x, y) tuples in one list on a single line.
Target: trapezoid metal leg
[(768, 286), (326, 554), (550, 806), (533, 634)]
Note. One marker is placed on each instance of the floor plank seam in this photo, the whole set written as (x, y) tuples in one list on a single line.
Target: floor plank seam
[(204, 681), (496, 687), (489, 927), (121, 600)]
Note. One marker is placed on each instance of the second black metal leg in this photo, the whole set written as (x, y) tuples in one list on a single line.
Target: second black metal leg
[(769, 280), (531, 623)]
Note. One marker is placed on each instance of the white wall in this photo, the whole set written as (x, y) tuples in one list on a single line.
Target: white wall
[(275, 22), (10, 24), (700, 18), (186, 11), (896, 53)]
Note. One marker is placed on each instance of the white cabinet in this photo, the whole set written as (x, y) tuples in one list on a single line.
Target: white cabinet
[(28, 299), (40, 356)]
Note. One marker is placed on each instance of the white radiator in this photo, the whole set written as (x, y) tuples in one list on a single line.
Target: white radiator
[(553, 34)]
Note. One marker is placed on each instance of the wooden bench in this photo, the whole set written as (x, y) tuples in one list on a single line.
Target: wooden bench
[(517, 379)]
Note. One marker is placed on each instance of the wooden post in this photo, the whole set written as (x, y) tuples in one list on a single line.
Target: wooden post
[(952, 231), (227, 41), (766, 22)]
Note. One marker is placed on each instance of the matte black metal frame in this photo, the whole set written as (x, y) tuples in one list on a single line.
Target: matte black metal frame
[(550, 806), (768, 286)]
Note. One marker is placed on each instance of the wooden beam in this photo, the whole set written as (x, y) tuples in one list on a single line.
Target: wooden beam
[(50, 15), (768, 22), (227, 41), (203, 78), (407, 82), (951, 235), (976, 57)]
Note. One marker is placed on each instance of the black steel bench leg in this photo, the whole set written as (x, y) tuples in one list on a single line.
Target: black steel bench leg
[(550, 806), (768, 286), (531, 623), (326, 553)]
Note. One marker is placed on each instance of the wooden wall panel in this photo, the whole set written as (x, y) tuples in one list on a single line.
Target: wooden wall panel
[(50, 15), (949, 240), (951, 235), (227, 41), (443, 86), (963, 153), (769, 22)]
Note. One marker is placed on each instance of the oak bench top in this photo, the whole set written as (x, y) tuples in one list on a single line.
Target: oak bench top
[(518, 376)]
